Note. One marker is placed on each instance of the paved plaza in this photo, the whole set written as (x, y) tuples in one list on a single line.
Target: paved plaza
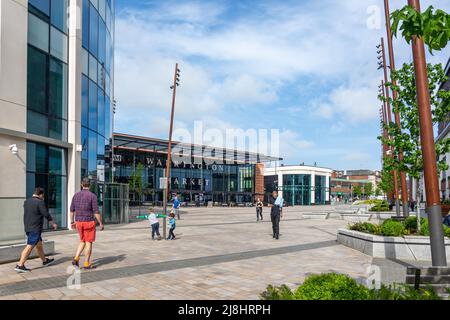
[(220, 253)]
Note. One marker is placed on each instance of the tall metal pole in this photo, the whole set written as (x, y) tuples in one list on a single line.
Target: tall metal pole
[(403, 184), (388, 106), (169, 149), (438, 255), (387, 120)]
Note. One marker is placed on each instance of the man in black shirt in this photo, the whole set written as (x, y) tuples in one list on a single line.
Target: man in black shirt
[(33, 219)]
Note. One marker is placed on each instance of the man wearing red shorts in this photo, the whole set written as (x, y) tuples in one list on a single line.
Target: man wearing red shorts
[(83, 213)]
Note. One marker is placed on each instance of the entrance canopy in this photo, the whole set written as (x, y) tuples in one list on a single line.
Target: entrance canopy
[(160, 146)]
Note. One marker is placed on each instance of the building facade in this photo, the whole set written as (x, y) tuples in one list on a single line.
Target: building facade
[(56, 92), (198, 174), (299, 185), (344, 182), (443, 133)]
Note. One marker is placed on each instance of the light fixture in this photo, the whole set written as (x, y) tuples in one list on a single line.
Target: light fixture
[(13, 148)]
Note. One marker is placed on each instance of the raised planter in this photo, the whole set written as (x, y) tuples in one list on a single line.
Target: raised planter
[(12, 252), (407, 247)]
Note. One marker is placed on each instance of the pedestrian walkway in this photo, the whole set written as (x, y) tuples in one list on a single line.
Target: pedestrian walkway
[(220, 253)]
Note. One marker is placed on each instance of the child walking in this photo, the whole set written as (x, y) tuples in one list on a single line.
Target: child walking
[(154, 222), (172, 225)]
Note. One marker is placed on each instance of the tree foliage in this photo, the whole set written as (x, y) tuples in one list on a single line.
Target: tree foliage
[(432, 26), (407, 138)]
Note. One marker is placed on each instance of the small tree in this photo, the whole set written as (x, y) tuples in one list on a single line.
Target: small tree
[(357, 191), (136, 184), (407, 138), (368, 189)]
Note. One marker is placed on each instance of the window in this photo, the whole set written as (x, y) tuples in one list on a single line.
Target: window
[(93, 99), (85, 26), (107, 118), (93, 31), (58, 89), (58, 44), (102, 42), (58, 15), (102, 8), (93, 68), (46, 168), (92, 161), (42, 5), (84, 61), (37, 123), (37, 32), (84, 101), (36, 84), (101, 113)]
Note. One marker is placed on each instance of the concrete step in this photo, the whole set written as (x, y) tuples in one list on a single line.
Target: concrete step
[(12, 252), (429, 271), (429, 279)]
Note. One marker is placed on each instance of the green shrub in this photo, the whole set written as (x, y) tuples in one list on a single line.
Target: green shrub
[(331, 286), (425, 229), (380, 206), (403, 292), (366, 227), (277, 293), (392, 228), (410, 223)]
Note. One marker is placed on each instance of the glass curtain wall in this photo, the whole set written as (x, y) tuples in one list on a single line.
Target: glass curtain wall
[(297, 189), (47, 103), (218, 183), (97, 91)]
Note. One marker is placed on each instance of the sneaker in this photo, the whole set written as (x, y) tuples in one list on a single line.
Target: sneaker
[(76, 263), (48, 262), (22, 269)]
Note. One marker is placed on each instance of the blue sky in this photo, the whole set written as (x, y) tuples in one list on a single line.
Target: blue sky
[(307, 68)]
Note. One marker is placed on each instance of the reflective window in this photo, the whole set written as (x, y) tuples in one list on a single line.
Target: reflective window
[(102, 42), (36, 84), (58, 89), (57, 165), (92, 162), (93, 99), (58, 44), (101, 113), (84, 100), (93, 31), (107, 118), (42, 5), (93, 72), (57, 128), (102, 9), (85, 26), (58, 15), (37, 32), (37, 123), (84, 61)]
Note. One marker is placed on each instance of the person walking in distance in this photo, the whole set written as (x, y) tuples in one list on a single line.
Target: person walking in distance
[(259, 209), (276, 206), (34, 213), (176, 206), (83, 213)]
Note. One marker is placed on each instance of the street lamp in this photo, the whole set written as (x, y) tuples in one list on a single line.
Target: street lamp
[(176, 83), (382, 65), (403, 184), (438, 255)]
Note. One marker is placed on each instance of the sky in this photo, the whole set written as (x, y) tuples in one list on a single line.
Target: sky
[(307, 68)]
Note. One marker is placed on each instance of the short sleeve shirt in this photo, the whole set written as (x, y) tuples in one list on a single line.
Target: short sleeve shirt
[(85, 206)]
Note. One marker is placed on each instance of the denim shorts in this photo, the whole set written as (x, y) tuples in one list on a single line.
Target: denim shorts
[(33, 238)]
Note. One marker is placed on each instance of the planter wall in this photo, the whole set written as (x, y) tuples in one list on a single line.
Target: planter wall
[(408, 247)]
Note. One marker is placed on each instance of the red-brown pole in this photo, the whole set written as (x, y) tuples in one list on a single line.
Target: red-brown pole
[(169, 148), (428, 149), (388, 107), (403, 184)]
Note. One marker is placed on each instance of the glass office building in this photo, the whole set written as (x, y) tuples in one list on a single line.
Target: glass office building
[(224, 181), (299, 185), (62, 132)]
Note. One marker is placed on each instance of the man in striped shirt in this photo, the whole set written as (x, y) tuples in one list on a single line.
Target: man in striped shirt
[(83, 213)]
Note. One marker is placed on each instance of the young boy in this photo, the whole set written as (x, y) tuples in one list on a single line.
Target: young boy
[(172, 225), (154, 222)]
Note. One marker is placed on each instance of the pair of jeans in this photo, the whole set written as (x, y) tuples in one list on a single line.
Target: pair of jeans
[(155, 230), (171, 234), (259, 213)]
